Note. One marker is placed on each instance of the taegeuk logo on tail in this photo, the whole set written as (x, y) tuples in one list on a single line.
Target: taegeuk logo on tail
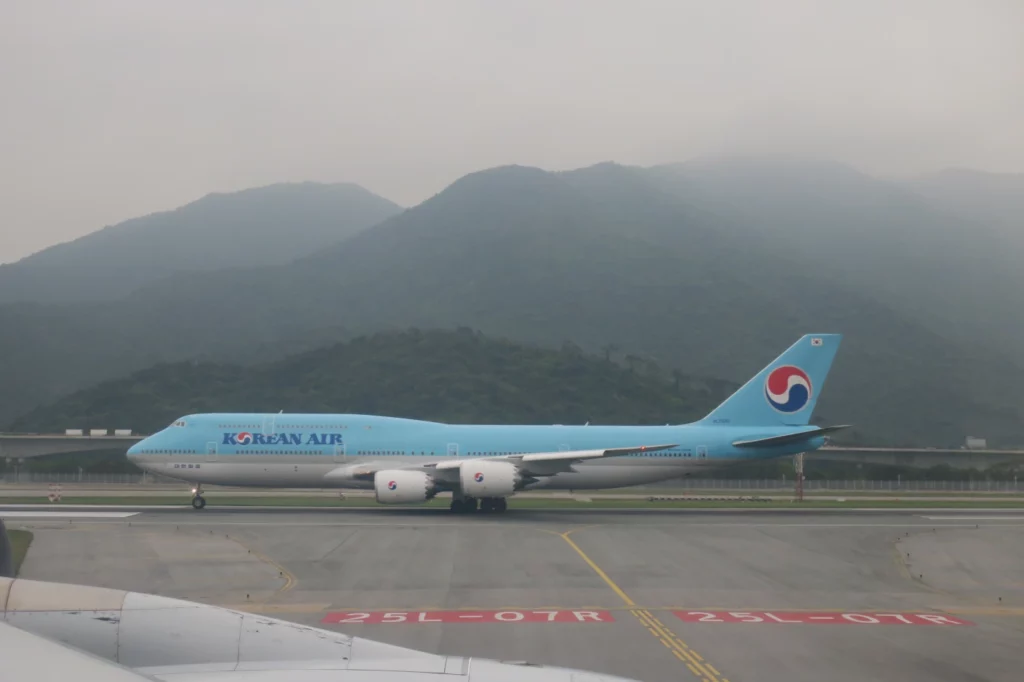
[(788, 389)]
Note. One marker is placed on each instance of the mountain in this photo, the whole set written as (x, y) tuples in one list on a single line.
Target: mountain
[(458, 376), (262, 226), (991, 199), (959, 277), (603, 256)]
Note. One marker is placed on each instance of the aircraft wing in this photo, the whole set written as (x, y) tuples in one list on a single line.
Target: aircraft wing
[(60, 631), (530, 464), (549, 463)]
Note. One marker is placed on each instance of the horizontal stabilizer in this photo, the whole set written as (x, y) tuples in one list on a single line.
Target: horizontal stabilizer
[(788, 437)]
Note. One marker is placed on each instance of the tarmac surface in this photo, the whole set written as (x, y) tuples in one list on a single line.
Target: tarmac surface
[(659, 596)]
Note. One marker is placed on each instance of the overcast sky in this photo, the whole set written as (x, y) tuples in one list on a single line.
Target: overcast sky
[(111, 109)]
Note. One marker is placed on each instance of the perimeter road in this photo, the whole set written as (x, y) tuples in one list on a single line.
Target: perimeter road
[(680, 649)]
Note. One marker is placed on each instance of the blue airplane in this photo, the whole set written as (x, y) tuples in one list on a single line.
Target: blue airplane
[(406, 461)]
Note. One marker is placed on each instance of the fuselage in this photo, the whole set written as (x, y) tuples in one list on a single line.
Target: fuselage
[(326, 450)]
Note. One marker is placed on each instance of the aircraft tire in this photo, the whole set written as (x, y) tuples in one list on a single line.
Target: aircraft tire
[(198, 502)]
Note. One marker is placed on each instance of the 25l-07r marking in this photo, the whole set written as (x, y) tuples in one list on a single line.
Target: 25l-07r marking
[(854, 618), (533, 616)]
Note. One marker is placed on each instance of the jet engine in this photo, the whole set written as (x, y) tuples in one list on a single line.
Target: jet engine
[(488, 479), (403, 487)]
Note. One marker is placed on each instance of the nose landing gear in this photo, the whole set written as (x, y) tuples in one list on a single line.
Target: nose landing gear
[(198, 501)]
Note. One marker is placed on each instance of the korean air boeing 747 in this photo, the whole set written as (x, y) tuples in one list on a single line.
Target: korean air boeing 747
[(407, 461)]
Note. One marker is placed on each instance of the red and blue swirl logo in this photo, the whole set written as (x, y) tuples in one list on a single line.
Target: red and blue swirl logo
[(788, 389), (479, 477), (244, 438), (392, 485)]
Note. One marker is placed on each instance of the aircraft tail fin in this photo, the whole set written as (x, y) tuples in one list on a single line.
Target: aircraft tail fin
[(785, 392)]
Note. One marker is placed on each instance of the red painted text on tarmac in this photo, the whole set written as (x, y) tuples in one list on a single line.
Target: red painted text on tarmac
[(508, 616), (837, 617)]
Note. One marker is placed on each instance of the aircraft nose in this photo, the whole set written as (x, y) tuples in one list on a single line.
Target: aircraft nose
[(136, 450)]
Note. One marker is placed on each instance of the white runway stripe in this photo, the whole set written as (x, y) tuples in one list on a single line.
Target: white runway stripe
[(974, 518), (65, 514), (92, 507)]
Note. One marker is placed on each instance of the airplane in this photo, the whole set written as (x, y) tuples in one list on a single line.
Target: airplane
[(407, 461)]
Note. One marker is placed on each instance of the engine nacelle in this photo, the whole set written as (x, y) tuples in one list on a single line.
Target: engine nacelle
[(488, 479), (403, 487)]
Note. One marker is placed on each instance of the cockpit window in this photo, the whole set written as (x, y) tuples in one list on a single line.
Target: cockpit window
[(180, 422)]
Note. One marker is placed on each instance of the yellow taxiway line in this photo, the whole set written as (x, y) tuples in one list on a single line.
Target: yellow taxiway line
[(694, 662)]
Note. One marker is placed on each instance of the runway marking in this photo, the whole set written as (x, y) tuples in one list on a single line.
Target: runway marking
[(974, 518), (289, 577), (138, 508), (597, 569), (694, 662), (838, 617), (65, 515), (811, 613), (460, 616)]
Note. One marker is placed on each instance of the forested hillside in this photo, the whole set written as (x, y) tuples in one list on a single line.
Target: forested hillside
[(456, 376), (606, 256)]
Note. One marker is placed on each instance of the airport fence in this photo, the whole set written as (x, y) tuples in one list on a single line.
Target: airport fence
[(685, 485), (45, 478)]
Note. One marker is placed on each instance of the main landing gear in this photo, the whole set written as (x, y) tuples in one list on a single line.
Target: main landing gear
[(468, 505), (198, 501)]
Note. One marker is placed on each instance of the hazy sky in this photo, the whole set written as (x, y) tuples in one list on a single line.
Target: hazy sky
[(116, 108)]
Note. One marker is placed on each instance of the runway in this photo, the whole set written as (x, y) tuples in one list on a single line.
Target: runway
[(657, 596)]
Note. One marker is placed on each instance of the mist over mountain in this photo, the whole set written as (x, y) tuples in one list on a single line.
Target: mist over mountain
[(956, 272), (651, 262), (262, 226), (989, 199)]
